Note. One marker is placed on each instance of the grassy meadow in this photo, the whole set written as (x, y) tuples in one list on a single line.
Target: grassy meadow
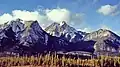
[(56, 61)]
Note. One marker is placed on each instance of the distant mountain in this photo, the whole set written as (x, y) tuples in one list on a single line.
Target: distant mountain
[(70, 33), (106, 41)]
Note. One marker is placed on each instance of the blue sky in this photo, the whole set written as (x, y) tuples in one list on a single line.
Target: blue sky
[(94, 14)]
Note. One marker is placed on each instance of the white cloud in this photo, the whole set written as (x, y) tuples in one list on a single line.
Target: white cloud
[(77, 18), (5, 17), (45, 18), (22, 14), (58, 15), (87, 29), (108, 10), (26, 15)]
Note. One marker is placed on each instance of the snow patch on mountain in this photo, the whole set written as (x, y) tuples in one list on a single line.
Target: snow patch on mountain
[(63, 29)]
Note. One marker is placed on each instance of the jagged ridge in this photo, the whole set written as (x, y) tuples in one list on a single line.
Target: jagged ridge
[(27, 37)]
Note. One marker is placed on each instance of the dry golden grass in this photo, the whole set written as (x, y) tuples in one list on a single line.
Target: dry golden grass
[(55, 61)]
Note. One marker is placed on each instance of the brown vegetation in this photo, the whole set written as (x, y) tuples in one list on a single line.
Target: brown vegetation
[(55, 61)]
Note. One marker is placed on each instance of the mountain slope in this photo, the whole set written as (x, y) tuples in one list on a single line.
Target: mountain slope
[(106, 41), (23, 37), (27, 37), (70, 33)]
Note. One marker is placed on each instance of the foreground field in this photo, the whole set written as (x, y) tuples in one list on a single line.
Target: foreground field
[(55, 61)]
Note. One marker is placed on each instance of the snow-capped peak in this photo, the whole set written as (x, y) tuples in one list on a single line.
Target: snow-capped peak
[(18, 19), (58, 29), (63, 23)]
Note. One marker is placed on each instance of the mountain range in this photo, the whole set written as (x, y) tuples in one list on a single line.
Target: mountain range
[(27, 37)]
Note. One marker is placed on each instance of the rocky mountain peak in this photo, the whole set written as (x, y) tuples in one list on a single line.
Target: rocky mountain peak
[(28, 37), (29, 24), (106, 40), (59, 29), (104, 32), (62, 27), (101, 33), (16, 25), (18, 20), (63, 23)]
